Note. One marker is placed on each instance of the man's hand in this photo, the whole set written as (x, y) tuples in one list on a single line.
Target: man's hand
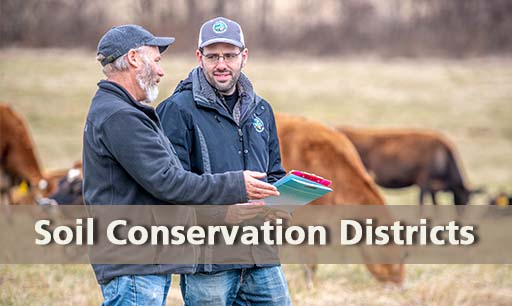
[(241, 212), (256, 189), (273, 214)]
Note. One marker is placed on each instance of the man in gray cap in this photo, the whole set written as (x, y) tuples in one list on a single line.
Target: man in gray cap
[(217, 123), (128, 160)]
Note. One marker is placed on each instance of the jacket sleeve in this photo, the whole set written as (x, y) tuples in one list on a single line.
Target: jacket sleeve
[(136, 145), (178, 127), (275, 169)]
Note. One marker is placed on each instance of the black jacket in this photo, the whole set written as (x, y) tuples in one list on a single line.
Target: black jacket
[(209, 139), (128, 160)]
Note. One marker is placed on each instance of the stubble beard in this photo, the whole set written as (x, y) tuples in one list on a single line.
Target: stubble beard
[(225, 88)]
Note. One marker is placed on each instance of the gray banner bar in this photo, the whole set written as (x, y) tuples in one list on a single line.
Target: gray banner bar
[(136, 234)]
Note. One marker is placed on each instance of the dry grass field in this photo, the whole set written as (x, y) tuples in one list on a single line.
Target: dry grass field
[(470, 101)]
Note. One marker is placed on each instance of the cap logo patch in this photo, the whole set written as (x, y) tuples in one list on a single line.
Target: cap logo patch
[(219, 27)]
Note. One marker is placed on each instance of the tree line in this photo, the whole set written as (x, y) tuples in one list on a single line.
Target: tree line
[(444, 28)]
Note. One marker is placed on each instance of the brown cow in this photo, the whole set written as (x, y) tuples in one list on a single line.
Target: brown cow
[(18, 159), (401, 158), (313, 147)]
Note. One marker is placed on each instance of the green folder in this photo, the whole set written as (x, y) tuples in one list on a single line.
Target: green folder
[(296, 190)]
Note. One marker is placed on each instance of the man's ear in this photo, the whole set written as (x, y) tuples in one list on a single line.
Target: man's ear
[(245, 56), (133, 58), (199, 56)]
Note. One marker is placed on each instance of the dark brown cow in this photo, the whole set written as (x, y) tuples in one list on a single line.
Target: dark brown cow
[(401, 158), (69, 190), (313, 147), (18, 161)]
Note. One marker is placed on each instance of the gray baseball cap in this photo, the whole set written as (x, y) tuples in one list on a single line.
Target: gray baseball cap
[(221, 29), (119, 40)]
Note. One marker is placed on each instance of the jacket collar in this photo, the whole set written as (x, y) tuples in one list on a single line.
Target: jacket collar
[(124, 95), (206, 95)]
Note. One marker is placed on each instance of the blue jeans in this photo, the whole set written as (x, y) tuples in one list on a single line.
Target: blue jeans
[(135, 290), (253, 286)]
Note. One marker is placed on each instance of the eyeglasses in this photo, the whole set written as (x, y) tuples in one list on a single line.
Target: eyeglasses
[(227, 57)]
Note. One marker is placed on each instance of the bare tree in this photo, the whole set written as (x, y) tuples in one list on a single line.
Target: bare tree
[(220, 8), (453, 28)]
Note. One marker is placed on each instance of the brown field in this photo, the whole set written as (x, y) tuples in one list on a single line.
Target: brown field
[(470, 101)]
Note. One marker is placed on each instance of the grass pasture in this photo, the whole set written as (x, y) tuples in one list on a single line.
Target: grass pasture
[(470, 101)]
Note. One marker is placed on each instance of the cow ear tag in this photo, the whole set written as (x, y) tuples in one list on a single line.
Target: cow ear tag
[(23, 188)]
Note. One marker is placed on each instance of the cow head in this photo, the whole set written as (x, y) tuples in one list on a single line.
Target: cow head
[(462, 195), (24, 192), (388, 273)]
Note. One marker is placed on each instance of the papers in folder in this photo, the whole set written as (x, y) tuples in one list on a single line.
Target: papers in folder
[(296, 190)]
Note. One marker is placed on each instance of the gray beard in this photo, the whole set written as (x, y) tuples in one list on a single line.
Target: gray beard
[(146, 84), (151, 91)]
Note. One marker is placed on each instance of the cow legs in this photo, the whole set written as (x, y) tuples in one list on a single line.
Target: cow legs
[(309, 273), (422, 195), (424, 192), (5, 198), (433, 196)]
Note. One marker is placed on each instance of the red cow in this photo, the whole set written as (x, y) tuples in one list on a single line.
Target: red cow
[(18, 157), (313, 147)]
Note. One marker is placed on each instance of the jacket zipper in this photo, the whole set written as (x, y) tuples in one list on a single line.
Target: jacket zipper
[(243, 150)]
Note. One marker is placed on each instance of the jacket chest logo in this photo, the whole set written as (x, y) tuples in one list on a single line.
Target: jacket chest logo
[(258, 124)]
